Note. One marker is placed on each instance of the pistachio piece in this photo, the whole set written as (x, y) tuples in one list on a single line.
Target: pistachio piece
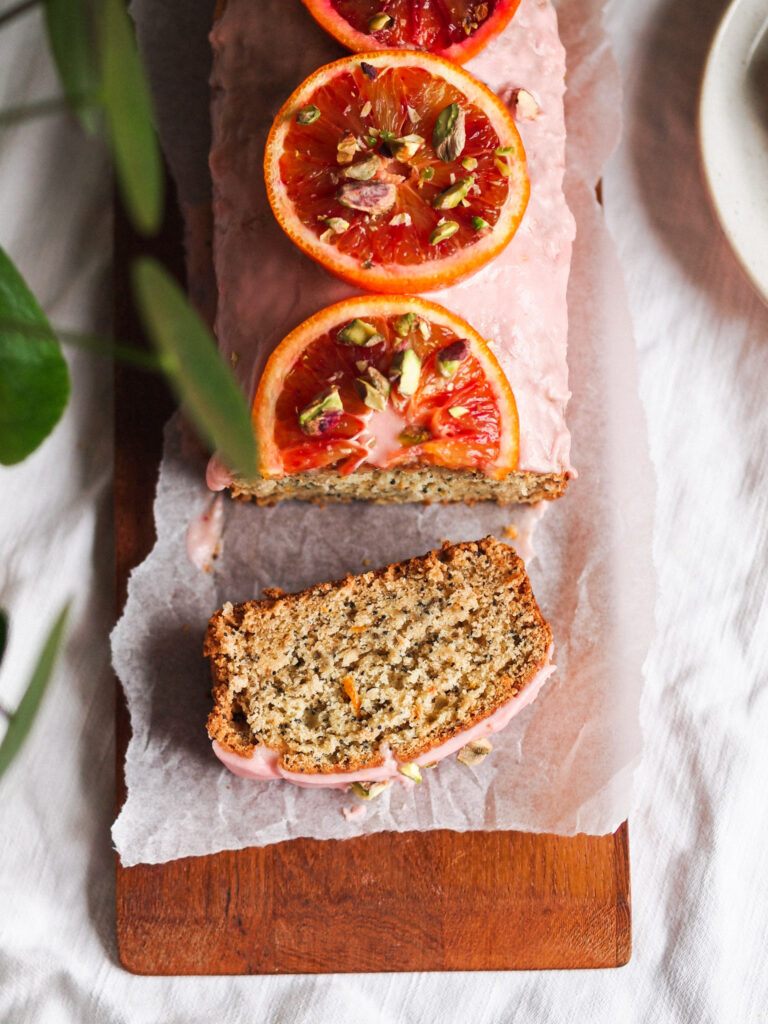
[(405, 369), (413, 115), (443, 231), (524, 105), (424, 329), (346, 148), (337, 224), (401, 219), (367, 108), (480, 223), (322, 413), (371, 140), (358, 332), (406, 146), (413, 435), (447, 359), (449, 134), (370, 197), (369, 70), (404, 324), (363, 171), (427, 173), (410, 771), (457, 411), (379, 21), (308, 115), (369, 790), (475, 752), (373, 389), (452, 196), (469, 163), (502, 166)]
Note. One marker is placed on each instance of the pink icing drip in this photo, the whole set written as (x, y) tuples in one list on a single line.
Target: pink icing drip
[(204, 534), (264, 764)]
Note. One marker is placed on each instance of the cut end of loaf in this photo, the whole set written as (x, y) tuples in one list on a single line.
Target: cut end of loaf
[(412, 484), (404, 658)]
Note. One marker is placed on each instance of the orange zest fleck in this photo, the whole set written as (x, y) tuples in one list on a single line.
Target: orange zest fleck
[(349, 688)]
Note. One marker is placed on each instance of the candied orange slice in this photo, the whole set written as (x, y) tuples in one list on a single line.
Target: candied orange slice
[(383, 381), (398, 171), (454, 29)]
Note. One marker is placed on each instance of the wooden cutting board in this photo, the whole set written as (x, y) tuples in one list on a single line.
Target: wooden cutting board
[(418, 901)]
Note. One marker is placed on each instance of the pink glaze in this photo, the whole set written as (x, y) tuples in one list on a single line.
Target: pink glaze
[(264, 765), (382, 429), (267, 286), (204, 534)]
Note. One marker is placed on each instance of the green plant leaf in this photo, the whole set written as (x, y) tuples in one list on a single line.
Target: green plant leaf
[(21, 720), (128, 111), (201, 379), (3, 632), (70, 33), (34, 379)]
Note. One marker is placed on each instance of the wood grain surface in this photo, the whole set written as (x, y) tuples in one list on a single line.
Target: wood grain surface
[(419, 901)]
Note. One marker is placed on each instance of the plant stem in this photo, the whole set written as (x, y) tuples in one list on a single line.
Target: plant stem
[(42, 108), (13, 12), (90, 343)]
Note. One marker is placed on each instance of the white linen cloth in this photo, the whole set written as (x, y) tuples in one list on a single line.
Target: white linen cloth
[(700, 833)]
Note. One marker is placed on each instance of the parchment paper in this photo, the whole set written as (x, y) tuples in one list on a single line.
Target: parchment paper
[(565, 764)]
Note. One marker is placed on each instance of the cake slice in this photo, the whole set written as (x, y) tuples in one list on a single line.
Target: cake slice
[(359, 678)]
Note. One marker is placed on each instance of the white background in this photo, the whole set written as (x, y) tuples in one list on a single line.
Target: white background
[(699, 836)]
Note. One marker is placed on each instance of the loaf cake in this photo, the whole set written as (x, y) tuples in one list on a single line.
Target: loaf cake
[(359, 678), (517, 302)]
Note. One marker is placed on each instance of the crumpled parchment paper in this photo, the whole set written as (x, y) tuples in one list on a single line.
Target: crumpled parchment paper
[(563, 765)]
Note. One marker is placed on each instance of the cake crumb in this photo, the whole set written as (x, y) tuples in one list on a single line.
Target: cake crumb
[(366, 562), (510, 532), (355, 813)]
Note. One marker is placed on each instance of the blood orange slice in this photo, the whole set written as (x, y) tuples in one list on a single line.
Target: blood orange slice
[(398, 171), (455, 29), (384, 381)]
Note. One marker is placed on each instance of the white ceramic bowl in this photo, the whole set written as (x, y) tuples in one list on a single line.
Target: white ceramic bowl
[(733, 133)]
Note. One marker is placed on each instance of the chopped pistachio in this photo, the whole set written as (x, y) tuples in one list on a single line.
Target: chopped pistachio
[(308, 115), (427, 173), (367, 108), (373, 389), (449, 135), (404, 324), (322, 412), (371, 140), (457, 411), (401, 219), (358, 332), (443, 231), (475, 752), (406, 369), (448, 359), (406, 146), (502, 167), (413, 435), (369, 70), (413, 115), (364, 170), (504, 151), (479, 223), (337, 224), (410, 771), (424, 329), (379, 21), (368, 196), (525, 105), (369, 790), (326, 236), (469, 163), (346, 148), (452, 196)]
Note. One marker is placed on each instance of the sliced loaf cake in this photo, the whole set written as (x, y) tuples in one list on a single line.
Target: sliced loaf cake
[(388, 665)]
